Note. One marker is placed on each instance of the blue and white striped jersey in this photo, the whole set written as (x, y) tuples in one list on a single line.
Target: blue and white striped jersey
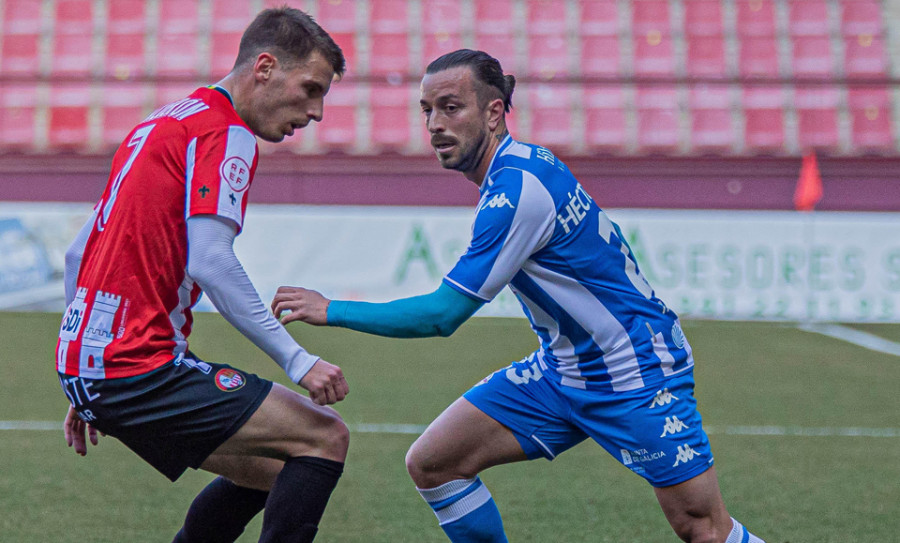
[(601, 326)]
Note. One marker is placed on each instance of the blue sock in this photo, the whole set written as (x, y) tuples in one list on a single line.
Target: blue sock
[(739, 534), (466, 511)]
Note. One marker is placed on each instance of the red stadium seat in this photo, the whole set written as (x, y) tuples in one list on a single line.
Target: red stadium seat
[(598, 18), (124, 106), (337, 15), (231, 15), (703, 18), (548, 56), (17, 115), (223, 50), (493, 17), (712, 127), (758, 56), (870, 115), (390, 109), (126, 16), (441, 28), (706, 56), (808, 18), (657, 118), (390, 54), (347, 42), (439, 43), (178, 40), (864, 55), (551, 116), (650, 16), (861, 17), (600, 55), (546, 17), (811, 55), (68, 116), (763, 119), (755, 17), (604, 119), (817, 118), (229, 19), (20, 30), (338, 129), (502, 47), (73, 38), (653, 54), (125, 39)]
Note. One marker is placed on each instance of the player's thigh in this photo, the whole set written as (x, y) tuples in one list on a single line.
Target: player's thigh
[(248, 471), (697, 500), (287, 425)]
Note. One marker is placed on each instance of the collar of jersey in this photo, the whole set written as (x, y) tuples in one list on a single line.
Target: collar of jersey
[(224, 92), (503, 144)]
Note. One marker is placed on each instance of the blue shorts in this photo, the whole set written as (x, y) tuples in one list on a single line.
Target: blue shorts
[(655, 432)]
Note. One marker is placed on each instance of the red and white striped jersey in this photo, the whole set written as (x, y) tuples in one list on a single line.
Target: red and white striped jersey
[(131, 312)]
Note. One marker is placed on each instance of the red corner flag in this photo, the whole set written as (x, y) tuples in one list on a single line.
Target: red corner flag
[(809, 186)]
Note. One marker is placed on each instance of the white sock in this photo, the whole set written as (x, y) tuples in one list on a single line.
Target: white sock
[(739, 534)]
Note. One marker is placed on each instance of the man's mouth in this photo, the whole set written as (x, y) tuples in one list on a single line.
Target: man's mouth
[(443, 146)]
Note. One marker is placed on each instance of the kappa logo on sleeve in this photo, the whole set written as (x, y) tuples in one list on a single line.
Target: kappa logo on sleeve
[(236, 172), (229, 380)]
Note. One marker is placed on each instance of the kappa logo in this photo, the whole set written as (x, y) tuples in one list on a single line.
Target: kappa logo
[(229, 380), (685, 455), (663, 397), (673, 426), (499, 200)]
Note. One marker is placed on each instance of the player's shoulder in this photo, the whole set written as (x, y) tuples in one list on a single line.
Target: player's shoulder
[(516, 156), (204, 110)]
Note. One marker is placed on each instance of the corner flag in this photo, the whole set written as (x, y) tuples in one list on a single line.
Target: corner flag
[(809, 185)]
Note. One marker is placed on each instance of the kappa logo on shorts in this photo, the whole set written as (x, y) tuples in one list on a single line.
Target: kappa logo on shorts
[(229, 380), (663, 397)]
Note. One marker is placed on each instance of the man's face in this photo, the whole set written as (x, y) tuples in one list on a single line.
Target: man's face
[(454, 118), (290, 98)]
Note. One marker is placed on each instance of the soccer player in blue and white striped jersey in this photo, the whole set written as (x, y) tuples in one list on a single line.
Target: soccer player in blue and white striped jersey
[(613, 363)]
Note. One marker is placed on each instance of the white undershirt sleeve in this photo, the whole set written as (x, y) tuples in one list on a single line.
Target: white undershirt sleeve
[(73, 258), (214, 266)]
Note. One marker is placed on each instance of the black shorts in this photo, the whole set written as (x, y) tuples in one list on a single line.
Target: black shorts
[(173, 417)]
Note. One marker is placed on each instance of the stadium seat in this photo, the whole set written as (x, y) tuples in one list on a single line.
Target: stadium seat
[(870, 117), (337, 15), (436, 44), (551, 116), (817, 118), (600, 55), (73, 38), (604, 119), (124, 106), (223, 49), (653, 54), (755, 17), (17, 115), (657, 118), (650, 16), (758, 56), (808, 18), (598, 18), (705, 56), (861, 17), (763, 109), (229, 19), (126, 16), (502, 47), (338, 129), (811, 56), (178, 40), (546, 17), (493, 17), (69, 116), (390, 54), (441, 28), (548, 56), (347, 42), (703, 18), (864, 55), (21, 31), (712, 127), (125, 39), (390, 114)]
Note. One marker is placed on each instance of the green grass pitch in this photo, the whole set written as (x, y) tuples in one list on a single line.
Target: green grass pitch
[(792, 488)]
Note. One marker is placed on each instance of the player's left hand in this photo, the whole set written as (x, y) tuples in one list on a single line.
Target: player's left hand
[(301, 305), (74, 428)]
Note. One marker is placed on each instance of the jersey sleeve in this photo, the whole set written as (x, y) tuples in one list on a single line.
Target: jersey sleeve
[(514, 219), (220, 167)]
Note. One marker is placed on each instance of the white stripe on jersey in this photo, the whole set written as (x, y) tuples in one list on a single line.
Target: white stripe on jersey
[(240, 146), (522, 240), (561, 346), (190, 162), (178, 316), (586, 310)]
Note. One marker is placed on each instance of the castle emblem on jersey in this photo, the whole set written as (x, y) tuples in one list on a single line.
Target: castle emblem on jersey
[(663, 397), (499, 200), (236, 172), (229, 380), (673, 426), (685, 455), (204, 190)]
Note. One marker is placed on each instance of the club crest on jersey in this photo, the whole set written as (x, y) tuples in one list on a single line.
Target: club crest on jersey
[(229, 380), (236, 173)]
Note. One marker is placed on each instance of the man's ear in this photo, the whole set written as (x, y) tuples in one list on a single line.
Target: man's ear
[(494, 113), (264, 65)]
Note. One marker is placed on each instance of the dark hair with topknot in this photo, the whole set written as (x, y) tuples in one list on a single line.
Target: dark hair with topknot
[(291, 35), (487, 71)]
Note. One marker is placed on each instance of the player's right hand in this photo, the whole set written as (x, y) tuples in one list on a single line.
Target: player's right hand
[(325, 383), (74, 428)]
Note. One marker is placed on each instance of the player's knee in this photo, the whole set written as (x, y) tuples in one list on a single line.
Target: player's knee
[(427, 471), (334, 438), (697, 530)]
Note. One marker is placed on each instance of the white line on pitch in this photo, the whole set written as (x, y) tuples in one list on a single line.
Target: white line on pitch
[(416, 429), (856, 337)]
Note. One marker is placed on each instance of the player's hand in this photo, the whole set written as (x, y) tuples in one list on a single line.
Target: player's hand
[(301, 305), (74, 428), (325, 383)]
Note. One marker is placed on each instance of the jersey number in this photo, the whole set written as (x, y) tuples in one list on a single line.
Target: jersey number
[(606, 231), (136, 143)]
